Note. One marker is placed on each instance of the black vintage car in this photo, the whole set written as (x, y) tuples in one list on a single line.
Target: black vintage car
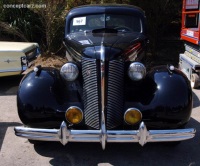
[(105, 93)]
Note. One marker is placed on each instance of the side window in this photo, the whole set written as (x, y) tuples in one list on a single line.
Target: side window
[(191, 20)]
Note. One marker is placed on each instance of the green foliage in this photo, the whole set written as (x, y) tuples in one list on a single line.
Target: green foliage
[(46, 25), (52, 18), (163, 18), (42, 25), (23, 21), (75, 3)]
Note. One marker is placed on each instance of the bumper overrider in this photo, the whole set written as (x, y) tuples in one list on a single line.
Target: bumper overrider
[(142, 135)]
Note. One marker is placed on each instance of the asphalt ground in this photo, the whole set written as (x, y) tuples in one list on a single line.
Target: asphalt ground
[(15, 151)]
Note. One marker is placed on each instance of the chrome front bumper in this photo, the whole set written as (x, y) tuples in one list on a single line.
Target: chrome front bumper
[(142, 135)]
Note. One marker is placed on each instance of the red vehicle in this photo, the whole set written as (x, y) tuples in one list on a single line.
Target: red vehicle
[(190, 33)]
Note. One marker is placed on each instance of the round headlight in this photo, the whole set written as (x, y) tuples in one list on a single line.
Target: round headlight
[(136, 71), (69, 71), (132, 116), (74, 115)]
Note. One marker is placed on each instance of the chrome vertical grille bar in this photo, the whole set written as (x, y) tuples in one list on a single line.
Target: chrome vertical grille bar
[(103, 122)]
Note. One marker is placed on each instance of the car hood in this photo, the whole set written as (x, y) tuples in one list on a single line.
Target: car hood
[(89, 44)]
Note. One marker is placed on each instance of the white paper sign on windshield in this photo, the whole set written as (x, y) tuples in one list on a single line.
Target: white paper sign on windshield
[(79, 21)]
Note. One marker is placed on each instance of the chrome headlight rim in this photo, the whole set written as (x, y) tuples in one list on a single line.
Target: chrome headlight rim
[(130, 109), (72, 107), (66, 75), (136, 66)]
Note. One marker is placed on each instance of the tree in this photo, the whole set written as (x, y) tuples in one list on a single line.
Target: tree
[(46, 25), (161, 16)]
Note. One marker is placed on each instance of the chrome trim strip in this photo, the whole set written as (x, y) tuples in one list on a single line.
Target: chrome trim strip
[(9, 61), (142, 135), (11, 70), (103, 125)]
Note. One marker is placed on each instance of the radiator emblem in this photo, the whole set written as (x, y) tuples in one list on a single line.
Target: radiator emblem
[(88, 72)]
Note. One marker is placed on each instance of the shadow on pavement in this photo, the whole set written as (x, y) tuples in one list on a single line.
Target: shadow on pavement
[(196, 101), (9, 85), (185, 153), (3, 129)]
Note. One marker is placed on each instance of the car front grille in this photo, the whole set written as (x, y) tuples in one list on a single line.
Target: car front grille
[(114, 93), (90, 93)]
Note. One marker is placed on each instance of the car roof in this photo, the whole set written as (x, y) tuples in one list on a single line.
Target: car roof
[(105, 8), (110, 6)]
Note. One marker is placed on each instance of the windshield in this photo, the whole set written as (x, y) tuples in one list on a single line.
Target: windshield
[(122, 23)]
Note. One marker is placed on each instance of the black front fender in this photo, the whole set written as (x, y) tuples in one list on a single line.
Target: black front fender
[(40, 97), (164, 98)]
